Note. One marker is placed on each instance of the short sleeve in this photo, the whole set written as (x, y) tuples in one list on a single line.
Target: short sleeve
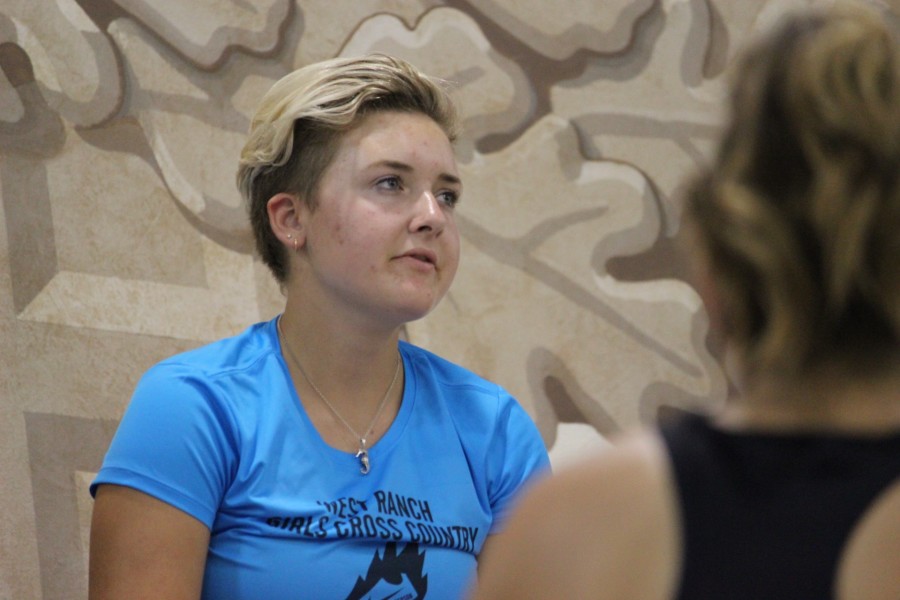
[(516, 455), (175, 443)]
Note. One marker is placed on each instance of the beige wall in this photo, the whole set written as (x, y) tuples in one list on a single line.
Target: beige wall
[(122, 239)]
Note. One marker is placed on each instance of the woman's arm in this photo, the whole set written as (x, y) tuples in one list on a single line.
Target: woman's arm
[(142, 547)]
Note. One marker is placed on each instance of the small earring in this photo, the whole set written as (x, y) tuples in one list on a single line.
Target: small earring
[(296, 245), (290, 236)]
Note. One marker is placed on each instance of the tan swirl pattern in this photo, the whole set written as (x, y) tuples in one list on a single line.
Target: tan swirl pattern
[(122, 238)]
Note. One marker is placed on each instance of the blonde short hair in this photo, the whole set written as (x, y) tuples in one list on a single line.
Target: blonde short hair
[(297, 128), (799, 215)]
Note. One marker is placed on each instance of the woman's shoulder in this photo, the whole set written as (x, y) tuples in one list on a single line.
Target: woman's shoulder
[(235, 353), (608, 528), (478, 408), (870, 565), (445, 371), (624, 487)]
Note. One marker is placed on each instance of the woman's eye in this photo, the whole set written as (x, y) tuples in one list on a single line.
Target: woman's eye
[(449, 198), (391, 183)]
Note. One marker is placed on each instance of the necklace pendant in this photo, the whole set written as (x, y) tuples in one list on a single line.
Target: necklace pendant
[(363, 455)]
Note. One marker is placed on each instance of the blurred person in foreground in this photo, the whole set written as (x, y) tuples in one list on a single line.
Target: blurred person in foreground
[(317, 455), (792, 491)]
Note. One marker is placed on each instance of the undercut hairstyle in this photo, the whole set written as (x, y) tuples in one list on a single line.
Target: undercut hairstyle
[(296, 131), (799, 214)]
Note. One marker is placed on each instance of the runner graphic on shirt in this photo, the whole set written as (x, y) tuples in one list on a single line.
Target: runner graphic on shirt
[(393, 575)]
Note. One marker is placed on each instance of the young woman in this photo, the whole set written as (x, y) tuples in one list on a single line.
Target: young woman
[(317, 455), (793, 490)]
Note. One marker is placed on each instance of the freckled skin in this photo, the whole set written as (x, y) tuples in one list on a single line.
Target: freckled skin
[(385, 194)]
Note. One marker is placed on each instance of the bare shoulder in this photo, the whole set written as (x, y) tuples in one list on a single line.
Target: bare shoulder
[(606, 528), (870, 566)]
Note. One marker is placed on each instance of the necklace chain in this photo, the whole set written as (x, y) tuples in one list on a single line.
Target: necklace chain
[(363, 452)]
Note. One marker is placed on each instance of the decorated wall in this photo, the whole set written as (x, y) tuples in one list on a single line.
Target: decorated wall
[(123, 240)]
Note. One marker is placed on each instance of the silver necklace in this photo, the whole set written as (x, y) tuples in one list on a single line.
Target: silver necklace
[(363, 452)]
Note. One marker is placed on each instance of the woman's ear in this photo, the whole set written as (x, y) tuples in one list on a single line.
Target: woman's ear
[(705, 283), (703, 278), (288, 215), (701, 274)]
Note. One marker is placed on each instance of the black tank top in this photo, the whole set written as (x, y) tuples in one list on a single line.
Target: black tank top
[(766, 516)]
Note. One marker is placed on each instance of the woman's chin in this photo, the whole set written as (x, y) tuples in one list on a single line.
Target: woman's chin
[(413, 309)]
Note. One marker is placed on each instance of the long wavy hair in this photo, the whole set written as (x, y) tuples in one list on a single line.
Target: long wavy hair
[(799, 214)]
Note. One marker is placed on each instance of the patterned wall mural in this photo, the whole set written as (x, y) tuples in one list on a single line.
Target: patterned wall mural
[(122, 237)]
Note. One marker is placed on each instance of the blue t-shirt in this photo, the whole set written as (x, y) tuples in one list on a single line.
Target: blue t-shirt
[(220, 433)]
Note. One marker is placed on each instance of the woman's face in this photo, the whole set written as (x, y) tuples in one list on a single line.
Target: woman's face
[(382, 242)]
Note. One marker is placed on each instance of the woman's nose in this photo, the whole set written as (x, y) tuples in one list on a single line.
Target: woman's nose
[(429, 214)]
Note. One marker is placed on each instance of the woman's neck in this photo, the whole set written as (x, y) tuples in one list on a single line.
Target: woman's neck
[(833, 399), (350, 364)]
